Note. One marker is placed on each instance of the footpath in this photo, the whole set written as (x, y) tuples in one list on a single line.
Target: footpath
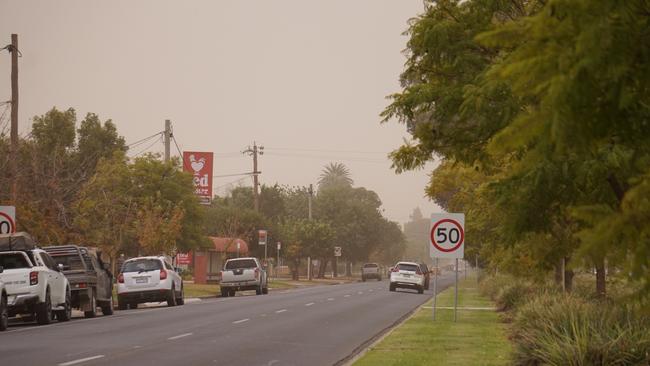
[(477, 338)]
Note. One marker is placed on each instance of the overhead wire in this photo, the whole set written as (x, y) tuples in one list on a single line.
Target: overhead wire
[(148, 147)]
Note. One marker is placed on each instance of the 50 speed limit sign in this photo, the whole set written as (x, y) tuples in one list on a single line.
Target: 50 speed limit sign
[(7, 219), (447, 236)]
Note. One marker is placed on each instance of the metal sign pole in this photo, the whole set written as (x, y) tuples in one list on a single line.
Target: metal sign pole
[(435, 288), (456, 295)]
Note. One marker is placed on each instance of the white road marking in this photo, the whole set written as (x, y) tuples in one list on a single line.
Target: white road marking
[(179, 336), (360, 292), (371, 290), (309, 304), (241, 321), (330, 299), (280, 311), (80, 360), (346, 296)]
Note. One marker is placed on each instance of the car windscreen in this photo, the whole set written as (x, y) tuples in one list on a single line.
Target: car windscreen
[(13, 261), (142, 265), (70, 262), (370, 265), (408, 267), (243, 263)]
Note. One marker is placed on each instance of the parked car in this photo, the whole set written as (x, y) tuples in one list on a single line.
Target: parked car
[(370, 270), (91, 282), (4, 312), (241, 274), (427, 275), (149, 279), (34, 284), (407, 275)]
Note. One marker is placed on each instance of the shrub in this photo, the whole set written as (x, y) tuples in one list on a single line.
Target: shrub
[(491, 285), (557, 329), (512, 295)]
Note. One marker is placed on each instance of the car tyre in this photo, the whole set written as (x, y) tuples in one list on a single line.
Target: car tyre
[(231, 293), (181, 300), (133, 305), (107, 308), (224, 292), (363, 279), (420, 290), (44, 310), (121, 304), (391, 287), (4, 313), (258, 290), (265, 291), (65, 314), (93, 306), (171, 298)]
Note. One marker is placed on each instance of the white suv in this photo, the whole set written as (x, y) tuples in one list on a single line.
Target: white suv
[(407, 275), (148, 279)]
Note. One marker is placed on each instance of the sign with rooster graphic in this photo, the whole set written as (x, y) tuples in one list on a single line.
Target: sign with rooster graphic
[(200, 165)]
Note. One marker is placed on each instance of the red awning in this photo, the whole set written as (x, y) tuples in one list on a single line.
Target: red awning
[(229, 245)]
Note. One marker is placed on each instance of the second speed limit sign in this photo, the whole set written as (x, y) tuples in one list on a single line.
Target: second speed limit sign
[(447, 237)]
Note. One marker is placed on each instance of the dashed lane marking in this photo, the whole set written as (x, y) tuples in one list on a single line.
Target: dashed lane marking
[(81, 360), (179, 336), (280, 311), (309, 304), (346, 296), (241, 321)]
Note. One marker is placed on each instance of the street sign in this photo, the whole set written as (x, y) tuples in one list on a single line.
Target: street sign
[(199, 164), (337, 251), (261, 235), (7, 219), (183, 258), (447, 235)]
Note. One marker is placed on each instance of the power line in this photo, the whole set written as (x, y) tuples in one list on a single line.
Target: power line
[(324, 157), (328, 151), (148, 147), (133, 144)]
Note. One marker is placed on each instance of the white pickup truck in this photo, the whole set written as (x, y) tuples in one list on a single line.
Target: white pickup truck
[(243, 274), (33, 283)]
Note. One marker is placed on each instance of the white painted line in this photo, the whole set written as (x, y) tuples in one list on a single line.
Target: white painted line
[(179, 336), (346, 296), (80, 360), (360, 292), (371, 290), (309, 304), (280, 311), (241, 321), (330, 299)]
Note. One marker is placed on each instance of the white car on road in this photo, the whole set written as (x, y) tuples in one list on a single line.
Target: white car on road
[(149, 279), (34, 284), (407, 275)]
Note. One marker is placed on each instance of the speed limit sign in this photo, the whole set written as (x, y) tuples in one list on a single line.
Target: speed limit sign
[(7, 219), (447, 236)]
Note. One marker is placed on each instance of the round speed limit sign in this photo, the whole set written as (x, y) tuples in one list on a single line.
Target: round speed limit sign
[(447, 236)]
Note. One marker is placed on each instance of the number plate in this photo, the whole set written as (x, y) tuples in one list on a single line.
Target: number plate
[(141, 280)]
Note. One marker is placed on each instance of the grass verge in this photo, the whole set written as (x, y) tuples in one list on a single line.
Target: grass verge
[(478, 338)]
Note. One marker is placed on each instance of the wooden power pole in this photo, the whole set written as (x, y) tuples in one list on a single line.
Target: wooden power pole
[(168, 134), (13, 49)]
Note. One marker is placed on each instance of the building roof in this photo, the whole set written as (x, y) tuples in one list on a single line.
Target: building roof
[(229, 245)]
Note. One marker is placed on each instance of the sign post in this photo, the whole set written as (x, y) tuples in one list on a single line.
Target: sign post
[(261, 235), (7, 219), (447, 240)]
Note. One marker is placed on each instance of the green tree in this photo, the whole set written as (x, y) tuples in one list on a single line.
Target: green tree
[(335, 175)]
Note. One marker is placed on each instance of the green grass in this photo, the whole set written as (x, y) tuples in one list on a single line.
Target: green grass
[(478, 338), (200, 290)]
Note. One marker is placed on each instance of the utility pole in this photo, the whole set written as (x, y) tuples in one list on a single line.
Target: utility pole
[(309, 266), (256, 184), (168, 134), (13, 49)]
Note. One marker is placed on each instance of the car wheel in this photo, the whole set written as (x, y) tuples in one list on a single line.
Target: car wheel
[(4, 313), (391, 287), (107, 308), (44, 310), (171, 298), (420, 290), (224, 292), (231, 293), (65, 314), (93, 305), (265, 290), (121, 304), (133, 305), (363, 279), (181, 300), (258, 290)]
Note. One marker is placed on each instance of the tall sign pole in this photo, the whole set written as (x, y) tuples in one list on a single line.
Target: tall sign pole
[(13, 49), (447, 240)]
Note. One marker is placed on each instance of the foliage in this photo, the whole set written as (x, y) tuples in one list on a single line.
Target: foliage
[(335, 175)]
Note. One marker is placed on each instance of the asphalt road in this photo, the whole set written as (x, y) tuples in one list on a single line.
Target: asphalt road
[(311, 326)]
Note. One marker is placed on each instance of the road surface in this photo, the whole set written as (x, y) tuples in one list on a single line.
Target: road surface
[(310, 326)]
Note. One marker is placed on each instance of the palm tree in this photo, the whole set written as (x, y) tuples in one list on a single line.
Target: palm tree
[(335, 175)]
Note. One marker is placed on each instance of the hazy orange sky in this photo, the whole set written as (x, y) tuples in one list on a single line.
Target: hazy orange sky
[(305, 79)]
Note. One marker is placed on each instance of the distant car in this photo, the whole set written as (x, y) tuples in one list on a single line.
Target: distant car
[(427, 275), (241, 274), (90, 280), (148, 279), (370, 270), (4, 312), (407, 275)]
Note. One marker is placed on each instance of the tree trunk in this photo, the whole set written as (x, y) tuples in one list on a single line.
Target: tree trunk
[(568, 280), (558, 273), (600, 279), (322, 267), (294, 269)]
